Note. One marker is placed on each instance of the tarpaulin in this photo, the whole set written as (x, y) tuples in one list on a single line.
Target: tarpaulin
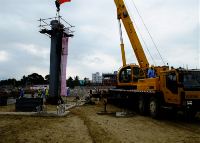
[(64, 65)]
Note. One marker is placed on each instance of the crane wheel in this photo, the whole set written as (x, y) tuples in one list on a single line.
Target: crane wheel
[(142, 106), (154, 108), (190, 113)]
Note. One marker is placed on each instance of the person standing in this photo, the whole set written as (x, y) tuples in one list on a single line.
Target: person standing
[(39, 92), (21, 93), (151, 72), (43, 94), (47, 93), (68, 90), (77, 96)]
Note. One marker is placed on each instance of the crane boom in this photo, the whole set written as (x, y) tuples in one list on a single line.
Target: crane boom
[(122, 14)]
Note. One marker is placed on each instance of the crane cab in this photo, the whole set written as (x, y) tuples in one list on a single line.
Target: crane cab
[(129, 76), (134, 77)]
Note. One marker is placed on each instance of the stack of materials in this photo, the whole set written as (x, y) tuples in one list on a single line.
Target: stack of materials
[(6, 98), (28, 104)]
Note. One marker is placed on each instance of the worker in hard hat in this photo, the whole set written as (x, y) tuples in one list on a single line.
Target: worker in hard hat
[(21, 93), (47, 93), (95, 89), (68, 90), (39, 92), (151, 72)]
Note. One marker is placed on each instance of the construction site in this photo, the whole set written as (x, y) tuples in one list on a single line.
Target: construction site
[(83, 124), (138, 103)]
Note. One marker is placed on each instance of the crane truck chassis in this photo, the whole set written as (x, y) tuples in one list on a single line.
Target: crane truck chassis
[(175, 89)]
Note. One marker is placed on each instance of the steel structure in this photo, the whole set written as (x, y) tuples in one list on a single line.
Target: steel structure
[(56, 33)]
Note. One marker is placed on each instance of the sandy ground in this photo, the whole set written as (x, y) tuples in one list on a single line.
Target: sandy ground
[(84, 125)]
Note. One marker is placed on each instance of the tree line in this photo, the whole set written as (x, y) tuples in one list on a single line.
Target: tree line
[(36, 79)]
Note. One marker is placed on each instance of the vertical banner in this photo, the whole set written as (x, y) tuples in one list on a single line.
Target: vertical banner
[(64, 65)]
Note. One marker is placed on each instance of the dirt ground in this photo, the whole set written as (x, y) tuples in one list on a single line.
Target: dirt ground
[(84, 125)]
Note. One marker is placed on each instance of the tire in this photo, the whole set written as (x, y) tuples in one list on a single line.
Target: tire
[(142, 106), (190, 113), (154, 108), (114, 95), (173, 112)]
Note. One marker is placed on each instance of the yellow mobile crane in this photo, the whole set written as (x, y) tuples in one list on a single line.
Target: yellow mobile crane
[(175, 89), (139, 72)]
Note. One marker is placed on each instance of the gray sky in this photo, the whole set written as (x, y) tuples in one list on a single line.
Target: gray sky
[(95, 47)]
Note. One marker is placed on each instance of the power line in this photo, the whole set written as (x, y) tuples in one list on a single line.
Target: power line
[(148, 32), (140, 33)]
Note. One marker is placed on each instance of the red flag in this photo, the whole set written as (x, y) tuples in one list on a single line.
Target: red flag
[(62, 1)]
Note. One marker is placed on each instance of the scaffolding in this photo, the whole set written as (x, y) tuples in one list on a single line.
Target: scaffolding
[(44, 27)]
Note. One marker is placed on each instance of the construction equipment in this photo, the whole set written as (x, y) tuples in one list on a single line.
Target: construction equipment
[(175, 89)]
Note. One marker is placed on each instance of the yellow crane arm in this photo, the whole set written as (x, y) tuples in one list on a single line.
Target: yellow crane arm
[(122, 46), (122, 14)]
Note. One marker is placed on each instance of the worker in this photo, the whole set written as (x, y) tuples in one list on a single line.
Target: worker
[(39, 92), (127, 76), (22, 93), (46, 93), (43, 92), (19, 92), (43, 95), (151, 72), (77, 96), (68, 90), (95, 89)]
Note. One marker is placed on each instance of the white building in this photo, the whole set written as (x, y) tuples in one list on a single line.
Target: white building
[(96, 78)]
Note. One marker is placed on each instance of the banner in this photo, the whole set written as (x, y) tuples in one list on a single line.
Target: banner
[(64, 65)]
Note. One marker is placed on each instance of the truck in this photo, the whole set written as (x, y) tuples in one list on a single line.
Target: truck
[(173, 89)]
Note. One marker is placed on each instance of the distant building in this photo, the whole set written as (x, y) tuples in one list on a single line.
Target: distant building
[(96, 78), (109, 78)]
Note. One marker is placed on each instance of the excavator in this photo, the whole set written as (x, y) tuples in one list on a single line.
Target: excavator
[(173, 89)]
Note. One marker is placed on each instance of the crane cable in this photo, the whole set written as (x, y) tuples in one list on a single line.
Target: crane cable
[(139, 32), (148, 32)]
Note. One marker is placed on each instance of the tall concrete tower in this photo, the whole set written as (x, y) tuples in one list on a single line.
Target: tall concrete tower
[(55, 59), (56, 33)]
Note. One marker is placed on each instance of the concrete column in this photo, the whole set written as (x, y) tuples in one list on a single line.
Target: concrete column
[(55, 59)]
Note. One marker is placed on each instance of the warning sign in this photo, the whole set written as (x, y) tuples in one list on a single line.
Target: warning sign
[(105, 101)]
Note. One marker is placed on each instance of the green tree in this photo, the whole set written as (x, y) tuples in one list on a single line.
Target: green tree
[(47, 77), (76, 78), (76, 81), (70, 82), (8, 81), (18, 83), (85, 82), (35, 78)]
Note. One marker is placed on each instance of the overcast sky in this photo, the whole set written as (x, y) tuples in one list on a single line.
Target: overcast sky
[(95, 47)]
